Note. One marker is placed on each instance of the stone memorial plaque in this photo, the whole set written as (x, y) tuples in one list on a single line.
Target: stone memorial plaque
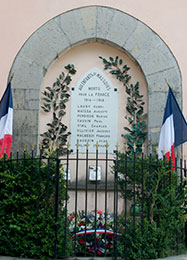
[(95, 175), (94, 113)]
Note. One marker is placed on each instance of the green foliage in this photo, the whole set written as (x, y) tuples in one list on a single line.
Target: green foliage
[(54, 101), (27, 200), (136, 132), (154, 186), (185, 195), (139, 245)]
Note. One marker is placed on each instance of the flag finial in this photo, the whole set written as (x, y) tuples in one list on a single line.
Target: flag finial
[(11, 77), (168, 83)]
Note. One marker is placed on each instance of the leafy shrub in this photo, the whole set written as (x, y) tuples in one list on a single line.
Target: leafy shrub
[(153, 186), (27, 215), (139, 245)]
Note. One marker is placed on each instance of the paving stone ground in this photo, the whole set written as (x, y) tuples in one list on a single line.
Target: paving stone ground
[(179, 257)]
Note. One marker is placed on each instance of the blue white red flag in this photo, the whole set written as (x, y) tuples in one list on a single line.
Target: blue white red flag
[(6, 121), (174, 129)]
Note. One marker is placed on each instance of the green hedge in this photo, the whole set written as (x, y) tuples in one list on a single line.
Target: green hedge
[(160, 197), (27, 215), (27, 202)]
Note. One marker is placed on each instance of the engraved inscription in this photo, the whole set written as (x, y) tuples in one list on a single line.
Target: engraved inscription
[(94, 112)]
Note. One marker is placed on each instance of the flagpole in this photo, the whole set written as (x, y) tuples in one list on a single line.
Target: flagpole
[(182, 148), (6, 120), (168, 83), (11, 77)]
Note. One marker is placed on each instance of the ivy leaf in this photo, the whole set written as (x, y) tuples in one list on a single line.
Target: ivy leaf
[(127, 129), (105, 61), (61, 113), (45, 110), (49, 124), (49, 88)]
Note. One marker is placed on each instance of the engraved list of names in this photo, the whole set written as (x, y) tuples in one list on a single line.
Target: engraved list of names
[(94, 113)]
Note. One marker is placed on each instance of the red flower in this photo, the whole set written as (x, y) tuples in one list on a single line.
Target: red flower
[(108, 245), (82, 241), (98, 252), (90, 249), (81, 223), (99, 212), (71, 218)]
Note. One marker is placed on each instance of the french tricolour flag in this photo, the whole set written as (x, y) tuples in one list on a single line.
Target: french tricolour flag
[(174, 129), (6, 118)]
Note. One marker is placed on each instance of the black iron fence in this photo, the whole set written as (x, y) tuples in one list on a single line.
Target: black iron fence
[(92, 205)]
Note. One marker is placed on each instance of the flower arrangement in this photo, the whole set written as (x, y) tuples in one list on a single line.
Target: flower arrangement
[(92, 233)]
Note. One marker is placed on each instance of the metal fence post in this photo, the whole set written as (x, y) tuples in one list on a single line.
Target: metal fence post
[(56, 207)]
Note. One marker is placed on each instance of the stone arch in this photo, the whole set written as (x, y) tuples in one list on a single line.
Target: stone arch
[(84, 25)]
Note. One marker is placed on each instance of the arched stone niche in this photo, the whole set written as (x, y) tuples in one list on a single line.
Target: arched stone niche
[(84, 25), (86, 57)]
